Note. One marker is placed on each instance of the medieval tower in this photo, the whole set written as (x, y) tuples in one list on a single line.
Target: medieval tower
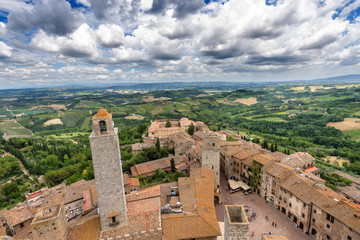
[(236, 224), (105, 150), (211, 156)]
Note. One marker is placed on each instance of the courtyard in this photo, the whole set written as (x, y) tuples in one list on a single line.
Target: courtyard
[(259, 225)]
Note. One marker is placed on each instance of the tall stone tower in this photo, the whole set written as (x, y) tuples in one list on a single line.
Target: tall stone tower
[(210, 157), (236, 224), (105, 150)]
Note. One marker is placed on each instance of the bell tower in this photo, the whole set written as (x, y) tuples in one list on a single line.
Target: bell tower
[(105, 150)]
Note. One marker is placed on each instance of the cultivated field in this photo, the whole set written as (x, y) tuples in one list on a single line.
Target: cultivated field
[(134, 117), (336, 161), (12, 128), (53, 122), (53, 106), (346, 125), (247, 101)]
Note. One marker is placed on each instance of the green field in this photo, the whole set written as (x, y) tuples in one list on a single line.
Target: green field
[(13, 129)]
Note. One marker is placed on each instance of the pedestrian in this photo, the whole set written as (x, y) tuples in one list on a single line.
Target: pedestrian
[(252, 234), (272, 223), (266, 218), (275, 224)]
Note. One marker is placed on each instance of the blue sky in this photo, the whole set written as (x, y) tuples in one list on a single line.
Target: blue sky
[(61, 42)]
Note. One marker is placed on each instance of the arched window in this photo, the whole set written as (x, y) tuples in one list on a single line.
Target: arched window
[(102, 126)]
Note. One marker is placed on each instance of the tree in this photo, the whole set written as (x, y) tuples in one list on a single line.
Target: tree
[(11, 190), (191, 129), (168, 123), (173, 168), (272, 148), (158, 144)]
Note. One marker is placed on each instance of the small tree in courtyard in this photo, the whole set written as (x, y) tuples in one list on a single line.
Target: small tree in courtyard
[(173, 168), (191, 129), (168, 123), (157, 144)]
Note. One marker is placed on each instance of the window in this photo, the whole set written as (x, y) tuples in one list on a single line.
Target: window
[(21, 225), (314, 211), (102, 126), (327, 225), (304, 205), (351, 230), (327, 237), (329, 218), (303, 215), (285, 200), (290, 205), (113, 219), (349, 238), (313, 220), (280, 197)]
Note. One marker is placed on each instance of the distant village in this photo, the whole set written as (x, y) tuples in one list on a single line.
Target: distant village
[(116, 206)]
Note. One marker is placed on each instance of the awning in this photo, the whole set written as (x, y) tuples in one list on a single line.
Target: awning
[(238, 184)]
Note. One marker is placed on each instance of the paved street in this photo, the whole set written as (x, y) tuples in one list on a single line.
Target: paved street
[(260, 225)]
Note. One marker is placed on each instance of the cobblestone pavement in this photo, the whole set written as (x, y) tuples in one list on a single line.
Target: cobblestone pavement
[(260, 225)]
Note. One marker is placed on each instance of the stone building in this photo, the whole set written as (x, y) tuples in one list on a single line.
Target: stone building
[(158, 128), (236, 224), (50, 223), (105, 149), (210, 157), (188, 210)]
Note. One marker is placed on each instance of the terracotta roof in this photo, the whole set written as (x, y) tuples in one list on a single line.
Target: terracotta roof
[(75, 191), (351, 191), (139, 146), (143, 216), (87, 228), (198, 218), (102, 113), (151, 166), (273, 237), (298, 159), (323, 197), (33, 195), (311, 169), (18, 214), (278, 170)]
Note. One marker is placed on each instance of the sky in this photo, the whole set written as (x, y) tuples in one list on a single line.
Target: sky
[(47, 43)]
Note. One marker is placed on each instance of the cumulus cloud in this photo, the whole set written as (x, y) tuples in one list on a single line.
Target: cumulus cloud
[(5, 50), (170, 39), (51, 16), (110, 36), (80, 44), (181, 8)]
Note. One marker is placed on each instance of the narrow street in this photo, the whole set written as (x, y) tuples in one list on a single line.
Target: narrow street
[(259, 225)]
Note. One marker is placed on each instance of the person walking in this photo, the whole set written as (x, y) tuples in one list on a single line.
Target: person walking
[(275, 224), (272, 223)]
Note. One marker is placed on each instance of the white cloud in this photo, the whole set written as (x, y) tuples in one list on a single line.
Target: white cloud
[(5, 50), (168, 40)]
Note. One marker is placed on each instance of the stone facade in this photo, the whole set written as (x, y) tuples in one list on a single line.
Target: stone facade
[(236, 224), (211, 156), (106, 159), (50, 223)]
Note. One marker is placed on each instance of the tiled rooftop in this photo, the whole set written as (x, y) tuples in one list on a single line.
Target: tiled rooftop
[(198, 218), (151, 166), (143, 216), (87, 229), (20, 213)]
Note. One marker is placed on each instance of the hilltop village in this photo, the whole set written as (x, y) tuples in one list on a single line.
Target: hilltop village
[(116, 206)]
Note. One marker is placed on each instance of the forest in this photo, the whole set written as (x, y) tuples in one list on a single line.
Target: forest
[(46, 131)]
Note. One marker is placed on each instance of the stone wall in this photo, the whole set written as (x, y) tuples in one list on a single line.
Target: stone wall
[(211, 156), (236, 225), (105, 151)]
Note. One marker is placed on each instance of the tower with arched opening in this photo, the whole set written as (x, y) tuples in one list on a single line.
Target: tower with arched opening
[(105, 150)]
